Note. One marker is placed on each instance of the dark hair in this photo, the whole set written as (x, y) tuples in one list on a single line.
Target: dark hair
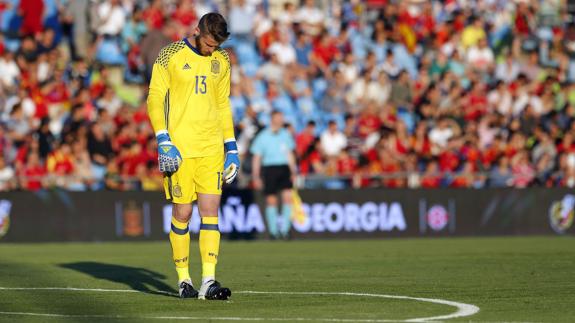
[(215, 25)]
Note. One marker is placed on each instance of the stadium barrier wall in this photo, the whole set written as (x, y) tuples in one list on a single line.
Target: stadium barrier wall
[(368, 213)]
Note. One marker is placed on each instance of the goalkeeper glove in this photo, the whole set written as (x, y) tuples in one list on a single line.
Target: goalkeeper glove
[(169, 158), (232, 162)]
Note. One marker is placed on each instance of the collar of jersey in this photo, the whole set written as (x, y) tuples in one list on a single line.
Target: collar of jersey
[(195, 50)]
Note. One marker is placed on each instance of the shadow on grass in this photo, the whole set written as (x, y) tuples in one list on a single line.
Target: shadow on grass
[(139, 279)]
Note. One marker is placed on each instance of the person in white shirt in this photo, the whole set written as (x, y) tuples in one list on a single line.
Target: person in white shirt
[(7, 173), (283, 49), (481, 57), (112, 18), (241, 18), (9, 68), (310, 17), (332, 140)]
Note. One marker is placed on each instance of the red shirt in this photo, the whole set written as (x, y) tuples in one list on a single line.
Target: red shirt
[(184, 17), (32, 20), (471, 154), (306, 165), (268, 38), (34, 184), (391, 169), (302, 142), (325, 52), (431, 182), (448, 161), (154, 17), (562, 149), (460, 181), (346, 165), (368, 123), (128, 164), (63, 166), (489, 156)]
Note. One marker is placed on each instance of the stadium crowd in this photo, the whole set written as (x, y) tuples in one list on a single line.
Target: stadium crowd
[(383, 93)]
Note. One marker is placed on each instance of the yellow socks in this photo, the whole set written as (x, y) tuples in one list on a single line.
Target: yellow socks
[(209, 246), (180, 241)]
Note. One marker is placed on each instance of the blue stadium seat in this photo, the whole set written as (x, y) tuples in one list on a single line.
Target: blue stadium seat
[(110, 53), (319, 86)]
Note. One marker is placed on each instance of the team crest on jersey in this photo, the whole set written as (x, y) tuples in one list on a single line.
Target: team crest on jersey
[(5, 207), (215, 66), (177, 191)]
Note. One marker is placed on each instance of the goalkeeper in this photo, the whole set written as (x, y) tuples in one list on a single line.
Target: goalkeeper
[(189, 107)]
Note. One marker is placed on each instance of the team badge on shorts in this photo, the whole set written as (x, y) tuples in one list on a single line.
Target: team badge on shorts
[(215, 66), (177, 191)]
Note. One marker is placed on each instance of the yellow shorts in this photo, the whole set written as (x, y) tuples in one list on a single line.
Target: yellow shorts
[(195, 175)]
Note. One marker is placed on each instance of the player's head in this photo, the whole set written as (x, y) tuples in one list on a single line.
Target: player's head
[(277, 120), (211, 32)]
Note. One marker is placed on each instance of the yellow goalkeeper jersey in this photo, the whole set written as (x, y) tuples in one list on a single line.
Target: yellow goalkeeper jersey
[(189, 97)]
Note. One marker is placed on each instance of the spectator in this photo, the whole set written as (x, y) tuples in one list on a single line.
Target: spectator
[(412, 90), (33, 176), (241, 19), (305, 139), (333, 141), (6, 176), (31, 12), (111, 17), (283, 50), (481, 56), (310, 17)]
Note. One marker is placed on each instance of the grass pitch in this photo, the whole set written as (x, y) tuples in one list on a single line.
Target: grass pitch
[(509, 279)]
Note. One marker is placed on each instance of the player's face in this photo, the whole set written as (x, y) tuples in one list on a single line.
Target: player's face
[(206, 44), (277, 121)]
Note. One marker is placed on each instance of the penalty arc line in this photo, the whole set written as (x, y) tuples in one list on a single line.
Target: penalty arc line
[(463, 309)]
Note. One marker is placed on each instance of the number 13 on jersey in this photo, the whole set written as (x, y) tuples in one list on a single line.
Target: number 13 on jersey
[(201, 86)]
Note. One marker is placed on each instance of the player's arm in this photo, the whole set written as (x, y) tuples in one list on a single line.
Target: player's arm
[(256, 171), (232, 161), (292, 163), (291, 157), (169, 158), (256, 151)]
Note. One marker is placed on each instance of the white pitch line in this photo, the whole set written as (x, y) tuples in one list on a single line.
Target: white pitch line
[(463, 309)]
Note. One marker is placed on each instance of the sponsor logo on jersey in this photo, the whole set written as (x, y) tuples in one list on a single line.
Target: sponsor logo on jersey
[(561, 214), (187, 67)]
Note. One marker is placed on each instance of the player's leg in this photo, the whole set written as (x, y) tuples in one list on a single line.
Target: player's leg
[(209, 239), (180, 239), (272, 215), (287, 199), (285, 185), (180, 190), (208, 180), (270, 177)]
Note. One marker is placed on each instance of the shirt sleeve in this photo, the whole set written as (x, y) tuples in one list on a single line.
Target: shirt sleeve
[(256, 147), (224, 105), (289, 140), (159, 87)]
